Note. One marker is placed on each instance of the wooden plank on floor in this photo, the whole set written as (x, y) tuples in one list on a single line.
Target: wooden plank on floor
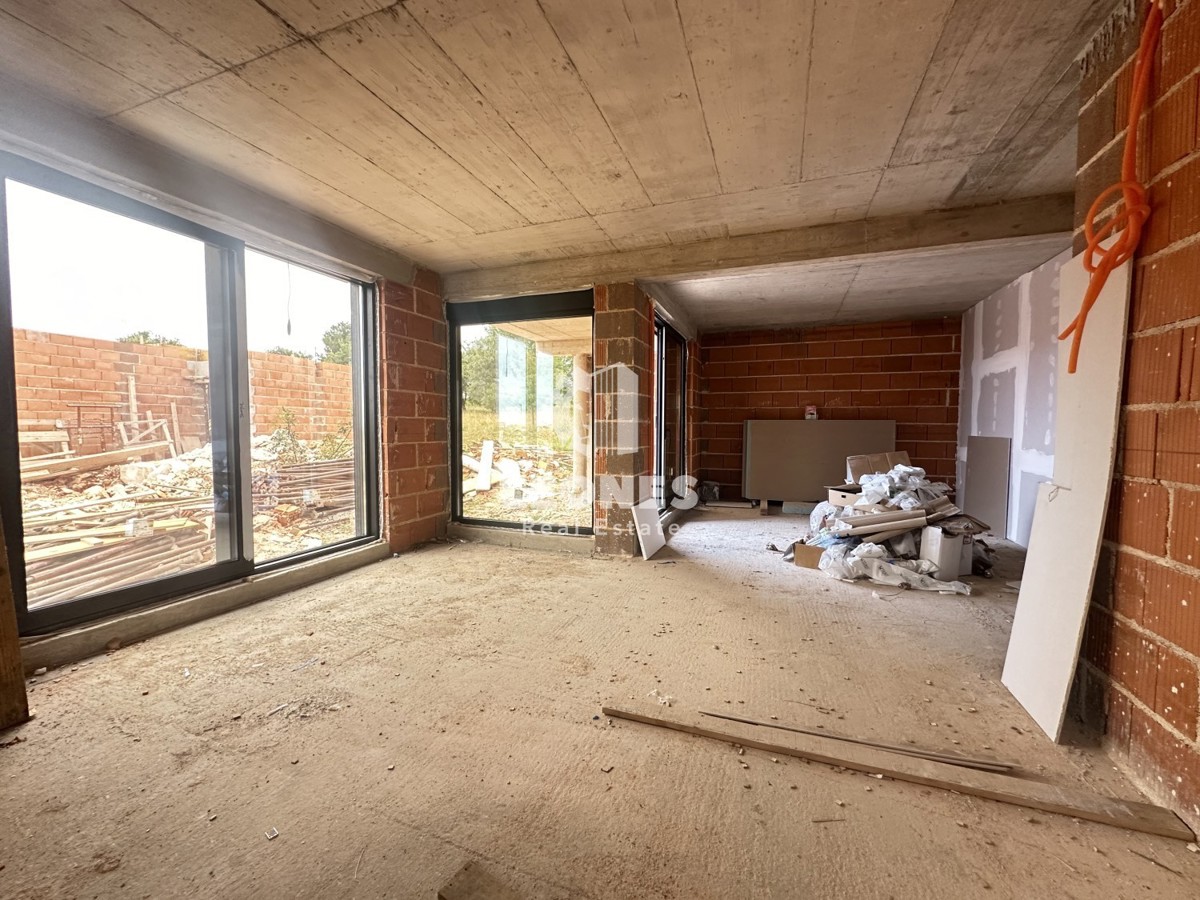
[(954, 759), (472, 882), (1130, 814)]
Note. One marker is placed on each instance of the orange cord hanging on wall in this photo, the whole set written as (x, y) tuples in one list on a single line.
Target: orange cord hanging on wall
[(1131, 215)]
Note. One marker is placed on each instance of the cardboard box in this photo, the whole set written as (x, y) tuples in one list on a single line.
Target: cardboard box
[(807, 557), (873, 463), (843, 494), (946, 551)]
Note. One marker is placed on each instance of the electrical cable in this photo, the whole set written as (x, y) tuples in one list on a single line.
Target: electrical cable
[(1133, 209)]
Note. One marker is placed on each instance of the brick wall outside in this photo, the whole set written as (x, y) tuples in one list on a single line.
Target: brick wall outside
[(55, 370), (318, 394), (1139, 677), (413, 404), (907, 371), (623, 337)]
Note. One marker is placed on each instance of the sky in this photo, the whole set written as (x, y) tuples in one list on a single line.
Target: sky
[(88, 272)]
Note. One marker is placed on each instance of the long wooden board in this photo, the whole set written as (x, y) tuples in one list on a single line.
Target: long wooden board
[(36, 470), (1129, 814), (954, 759)]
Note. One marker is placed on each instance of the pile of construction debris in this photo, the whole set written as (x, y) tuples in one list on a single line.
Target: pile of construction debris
[(892, 525), (507, 482)]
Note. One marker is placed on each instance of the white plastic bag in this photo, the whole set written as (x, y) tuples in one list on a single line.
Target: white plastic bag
[(823, 514)]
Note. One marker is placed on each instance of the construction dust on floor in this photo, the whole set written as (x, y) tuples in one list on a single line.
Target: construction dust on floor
[(368, 736)]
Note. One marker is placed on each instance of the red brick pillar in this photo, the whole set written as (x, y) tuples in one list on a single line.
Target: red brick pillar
[(1139, 677), (414, 411), (622, 391)]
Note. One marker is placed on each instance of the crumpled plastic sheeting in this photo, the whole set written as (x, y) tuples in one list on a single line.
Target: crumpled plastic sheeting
[(879, 483), (907, 500), (873, 495), (907, 477), (822, 512), (870, 561)]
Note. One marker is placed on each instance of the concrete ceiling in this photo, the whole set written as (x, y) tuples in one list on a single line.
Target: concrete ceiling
[(476, 134), (913, 284), (559, 337)]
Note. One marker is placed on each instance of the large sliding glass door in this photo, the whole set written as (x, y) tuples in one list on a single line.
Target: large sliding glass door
[(522, 423), (145, 449), (309, 452)]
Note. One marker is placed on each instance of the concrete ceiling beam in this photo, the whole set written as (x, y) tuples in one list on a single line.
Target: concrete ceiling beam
[(864, 238)]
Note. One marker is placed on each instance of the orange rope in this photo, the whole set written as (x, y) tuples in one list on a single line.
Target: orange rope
[(1134, 209)]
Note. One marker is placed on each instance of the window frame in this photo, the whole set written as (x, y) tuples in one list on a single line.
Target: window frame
[(229, 397), (566, 305), (663, 332)]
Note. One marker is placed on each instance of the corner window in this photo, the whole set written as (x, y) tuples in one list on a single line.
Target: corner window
[(522, 428)]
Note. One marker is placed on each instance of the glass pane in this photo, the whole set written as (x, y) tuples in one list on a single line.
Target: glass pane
[(672, 425), (111, 344), (304, 347), (526, 422)]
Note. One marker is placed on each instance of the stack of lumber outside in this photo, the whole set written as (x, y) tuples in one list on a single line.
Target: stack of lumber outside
[(92, 545), (323, 485), (44, 470)]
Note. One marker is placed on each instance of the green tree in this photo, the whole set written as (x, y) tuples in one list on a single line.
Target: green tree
[(148, 337), (288, 351), (479, 368), (337, 344)]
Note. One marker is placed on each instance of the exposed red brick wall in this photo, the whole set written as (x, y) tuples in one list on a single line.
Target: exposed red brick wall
[(413, 404), (55, 370), (1139, 678), (624, 336), (907, 371), (319, 394)]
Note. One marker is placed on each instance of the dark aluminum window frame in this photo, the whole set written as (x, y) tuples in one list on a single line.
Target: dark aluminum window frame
[(662, 332), (567, 305), (229, 374)]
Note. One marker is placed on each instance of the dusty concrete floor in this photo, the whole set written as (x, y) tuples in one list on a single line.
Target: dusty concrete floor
[(476, 671)]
